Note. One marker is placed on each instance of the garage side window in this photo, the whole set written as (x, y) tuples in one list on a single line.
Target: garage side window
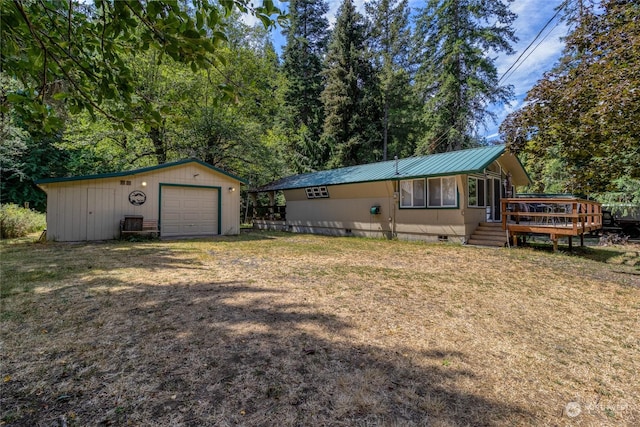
[(443, 192), (412, 193)]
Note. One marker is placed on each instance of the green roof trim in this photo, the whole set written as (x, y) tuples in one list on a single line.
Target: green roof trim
[(474, 160), (139, 171)]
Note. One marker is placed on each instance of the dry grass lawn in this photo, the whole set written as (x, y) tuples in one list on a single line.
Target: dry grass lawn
[(272, 329)]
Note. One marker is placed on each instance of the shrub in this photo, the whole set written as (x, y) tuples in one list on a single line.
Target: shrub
[(16, 221)]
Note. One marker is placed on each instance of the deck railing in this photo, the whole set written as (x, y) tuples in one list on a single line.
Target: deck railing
[(567, 216)]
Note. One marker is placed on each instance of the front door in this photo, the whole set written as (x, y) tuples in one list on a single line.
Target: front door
[(494, 193)]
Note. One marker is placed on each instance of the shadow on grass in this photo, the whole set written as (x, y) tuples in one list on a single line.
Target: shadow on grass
[(224, 353), (25, 266), (26, 263), (602, 254)]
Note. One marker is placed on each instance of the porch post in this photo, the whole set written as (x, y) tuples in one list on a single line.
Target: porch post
[(254, 202), (272, 203)]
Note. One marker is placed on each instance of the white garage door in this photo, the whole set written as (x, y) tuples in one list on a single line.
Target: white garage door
[(189, 211)]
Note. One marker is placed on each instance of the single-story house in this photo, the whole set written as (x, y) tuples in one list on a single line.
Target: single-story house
[(437, 197), (180, 199)]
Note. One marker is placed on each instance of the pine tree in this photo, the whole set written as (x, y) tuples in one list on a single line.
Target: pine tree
[(352, 127), (303, 54), (390, 38), (457, 78)]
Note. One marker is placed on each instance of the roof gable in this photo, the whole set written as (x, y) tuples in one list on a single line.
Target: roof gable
[(473, 160), (139, 171)]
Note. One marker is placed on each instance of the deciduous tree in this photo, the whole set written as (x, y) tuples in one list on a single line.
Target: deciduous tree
[(586, 109), (74, 54)]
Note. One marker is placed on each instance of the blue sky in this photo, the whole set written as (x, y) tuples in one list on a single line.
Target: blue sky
[(532, 17)]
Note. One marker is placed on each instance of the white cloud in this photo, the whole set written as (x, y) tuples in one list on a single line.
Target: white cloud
[(334, 5), (540, 58), (250, 20), (532, 16)]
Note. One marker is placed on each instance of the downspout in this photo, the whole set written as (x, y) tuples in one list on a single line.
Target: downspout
[(396, 200), (396, 196)]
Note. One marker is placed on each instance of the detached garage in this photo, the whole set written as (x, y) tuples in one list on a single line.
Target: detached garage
[(188, 198)]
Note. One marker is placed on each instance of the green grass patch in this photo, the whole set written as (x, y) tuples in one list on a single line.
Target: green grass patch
[(16, 221)]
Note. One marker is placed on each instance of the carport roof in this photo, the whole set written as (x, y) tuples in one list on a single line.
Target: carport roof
[(473, 160), (139, 171)]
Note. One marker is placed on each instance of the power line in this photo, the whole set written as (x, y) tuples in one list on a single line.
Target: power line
[(435, 144), (529, 54), (560, 8)]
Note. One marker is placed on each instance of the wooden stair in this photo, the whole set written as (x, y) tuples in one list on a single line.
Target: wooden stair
[(489, 234)]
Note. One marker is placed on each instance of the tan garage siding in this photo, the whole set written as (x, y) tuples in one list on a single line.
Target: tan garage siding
[(67, 214), (90, 208), (100, 214)]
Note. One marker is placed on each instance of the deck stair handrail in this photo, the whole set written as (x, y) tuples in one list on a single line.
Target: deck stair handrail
[(574, 214)]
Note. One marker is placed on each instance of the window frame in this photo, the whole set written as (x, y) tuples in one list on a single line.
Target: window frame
[(456, 197), (479, 182), (413, 199), (317, 192)]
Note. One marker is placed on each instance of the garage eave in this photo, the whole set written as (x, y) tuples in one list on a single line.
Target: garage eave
[(42, 182)]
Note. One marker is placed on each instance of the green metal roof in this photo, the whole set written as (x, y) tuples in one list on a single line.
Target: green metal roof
[(139, 171), (473, 160)]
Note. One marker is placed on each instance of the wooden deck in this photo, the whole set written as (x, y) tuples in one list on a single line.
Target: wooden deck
[(556, 217)]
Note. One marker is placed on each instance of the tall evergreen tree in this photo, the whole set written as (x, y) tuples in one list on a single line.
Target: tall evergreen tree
[(352, 127), (457, 79), (390, 38), (303, 54)]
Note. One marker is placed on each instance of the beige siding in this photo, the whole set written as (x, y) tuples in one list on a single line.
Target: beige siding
[(67, 214), (69, 203), (347, 211), (100, 214)]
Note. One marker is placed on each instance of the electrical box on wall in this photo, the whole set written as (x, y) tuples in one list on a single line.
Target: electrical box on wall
[(375, 210)]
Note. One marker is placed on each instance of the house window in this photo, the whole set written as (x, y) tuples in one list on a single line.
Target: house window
[(412, 193), (442, 192), (320, 192), (476, 192)]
